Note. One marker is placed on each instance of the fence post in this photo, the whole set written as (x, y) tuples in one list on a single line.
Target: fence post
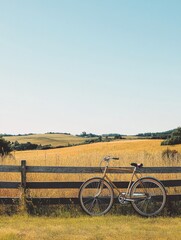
[(23, 206)]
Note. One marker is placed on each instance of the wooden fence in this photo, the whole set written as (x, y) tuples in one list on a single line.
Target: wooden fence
[(24, 185)]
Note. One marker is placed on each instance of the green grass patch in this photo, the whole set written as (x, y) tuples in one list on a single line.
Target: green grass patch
[(89, 228)]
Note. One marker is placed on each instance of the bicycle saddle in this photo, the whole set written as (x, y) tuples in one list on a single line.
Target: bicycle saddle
[(137, 165)]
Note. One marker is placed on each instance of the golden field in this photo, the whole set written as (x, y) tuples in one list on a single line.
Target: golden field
[(149, 152), (91, 154)]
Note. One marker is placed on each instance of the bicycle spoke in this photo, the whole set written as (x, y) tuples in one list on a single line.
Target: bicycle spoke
[(88, 200), (92, 205)]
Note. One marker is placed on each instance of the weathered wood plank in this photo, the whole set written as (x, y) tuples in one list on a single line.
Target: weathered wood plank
[(10, 184), (41, 169), (74, 185), (161, 170), (23, 175), (171, 183), (46, 185), (174, 197), (10, 201), (52, 201), (45, 169), (7, 168), (52, 169), (55, 201)]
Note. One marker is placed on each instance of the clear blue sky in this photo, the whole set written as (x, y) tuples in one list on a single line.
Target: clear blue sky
[(98, 66)]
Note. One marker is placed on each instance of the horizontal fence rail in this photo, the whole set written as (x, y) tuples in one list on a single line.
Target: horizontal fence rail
[(10, 168), (74, 185), (32, 169), (55, 201), (24, 184), (47, 169)]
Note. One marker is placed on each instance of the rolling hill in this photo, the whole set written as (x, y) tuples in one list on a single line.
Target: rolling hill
[(46, 139)]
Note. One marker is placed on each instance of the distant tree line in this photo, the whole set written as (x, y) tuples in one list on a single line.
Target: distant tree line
[(28, 146), (58, 133), (6, 146), (13, 135), (94, 138), (92, 135), (87, 135), (157, 135)]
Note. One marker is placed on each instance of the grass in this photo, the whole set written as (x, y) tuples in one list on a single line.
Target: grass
[(89, 228)]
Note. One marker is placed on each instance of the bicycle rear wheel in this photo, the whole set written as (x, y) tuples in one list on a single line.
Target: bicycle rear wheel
[(96, 196), (149, 195)]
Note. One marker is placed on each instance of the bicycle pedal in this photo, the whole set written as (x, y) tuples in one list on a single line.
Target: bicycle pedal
[(123, 201)]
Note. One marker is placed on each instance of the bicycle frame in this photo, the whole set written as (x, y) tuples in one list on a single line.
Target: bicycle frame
[(126, 195)]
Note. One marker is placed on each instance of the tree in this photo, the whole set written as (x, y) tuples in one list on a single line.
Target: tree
[(5, 147), (84, 134), (118, 136), (174, 139)]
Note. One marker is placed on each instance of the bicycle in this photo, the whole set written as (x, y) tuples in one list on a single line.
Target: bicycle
[(147, 194)]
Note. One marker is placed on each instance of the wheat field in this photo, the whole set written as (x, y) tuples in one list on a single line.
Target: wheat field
[(149, 152)]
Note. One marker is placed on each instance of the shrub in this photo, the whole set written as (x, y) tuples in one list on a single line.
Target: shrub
[(24, 146), (5, 147), (174, 139), (168, 153), (29, 146)]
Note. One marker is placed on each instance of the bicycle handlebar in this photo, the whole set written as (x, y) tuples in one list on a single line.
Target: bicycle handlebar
[(108, 158)]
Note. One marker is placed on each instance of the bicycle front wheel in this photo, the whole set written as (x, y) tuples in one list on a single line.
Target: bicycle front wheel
[(149, 196), (96, 196)]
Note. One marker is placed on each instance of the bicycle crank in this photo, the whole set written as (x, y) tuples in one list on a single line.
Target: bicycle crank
[(123, 200)]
